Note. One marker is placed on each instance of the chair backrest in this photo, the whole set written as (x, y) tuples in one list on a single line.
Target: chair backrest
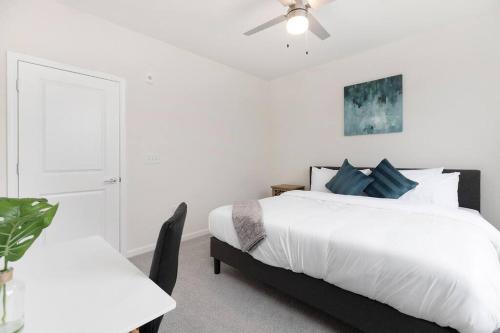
[(165, 259)]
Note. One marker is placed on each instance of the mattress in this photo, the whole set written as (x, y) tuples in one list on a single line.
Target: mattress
[(433, 263)]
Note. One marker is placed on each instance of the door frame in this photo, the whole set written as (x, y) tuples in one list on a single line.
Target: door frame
[(13, 59)]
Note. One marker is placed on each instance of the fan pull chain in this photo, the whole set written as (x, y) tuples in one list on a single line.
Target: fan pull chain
[(307, 42)]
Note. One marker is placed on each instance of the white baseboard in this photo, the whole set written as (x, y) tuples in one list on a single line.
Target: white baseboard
[(140, 250), (193, 235), (150, 247)]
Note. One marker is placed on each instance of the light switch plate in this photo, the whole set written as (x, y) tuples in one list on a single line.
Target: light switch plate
[(152, 158)]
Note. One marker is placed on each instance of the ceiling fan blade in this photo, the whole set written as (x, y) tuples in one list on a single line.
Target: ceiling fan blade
[(318, 3), (287, 3), (266, 25), (316, 28)]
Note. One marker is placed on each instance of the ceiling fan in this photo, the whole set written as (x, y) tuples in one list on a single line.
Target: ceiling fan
[(298, 18)]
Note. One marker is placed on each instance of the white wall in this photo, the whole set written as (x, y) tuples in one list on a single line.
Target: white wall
[(451, 108), (207, 121)]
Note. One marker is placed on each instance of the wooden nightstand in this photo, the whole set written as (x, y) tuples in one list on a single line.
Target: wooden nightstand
[(278, 189)]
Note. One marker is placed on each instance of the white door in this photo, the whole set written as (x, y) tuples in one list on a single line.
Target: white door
[(69, 150)]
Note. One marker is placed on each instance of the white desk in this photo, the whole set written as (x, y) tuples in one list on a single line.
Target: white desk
[(86, 286)]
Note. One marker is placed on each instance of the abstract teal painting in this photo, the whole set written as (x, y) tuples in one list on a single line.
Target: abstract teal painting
[(374, 107)]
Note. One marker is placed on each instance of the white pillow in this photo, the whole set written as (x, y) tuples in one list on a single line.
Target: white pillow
[(447, 194), (440, 189), (321, 176), (417, 175)]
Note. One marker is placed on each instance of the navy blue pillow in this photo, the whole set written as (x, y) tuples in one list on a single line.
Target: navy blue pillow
[(389, 182), (349, 181)]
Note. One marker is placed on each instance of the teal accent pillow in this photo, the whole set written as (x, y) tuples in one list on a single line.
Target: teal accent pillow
[(388, 182), (348, 181)]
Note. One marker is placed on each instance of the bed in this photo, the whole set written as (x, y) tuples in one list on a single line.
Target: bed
[(369, 304)]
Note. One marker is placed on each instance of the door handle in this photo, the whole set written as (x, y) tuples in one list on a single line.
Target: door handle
[(113, 180)]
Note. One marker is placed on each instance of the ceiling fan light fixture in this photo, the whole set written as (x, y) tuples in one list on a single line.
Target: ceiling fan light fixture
[(298, 23)]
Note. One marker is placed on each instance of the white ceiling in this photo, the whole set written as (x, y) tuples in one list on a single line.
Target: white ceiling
[(214, 28)]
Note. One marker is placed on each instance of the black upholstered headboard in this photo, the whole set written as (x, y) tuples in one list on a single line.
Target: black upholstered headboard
[(469, 186)]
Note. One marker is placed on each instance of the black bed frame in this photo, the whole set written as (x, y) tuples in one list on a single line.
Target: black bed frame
[(358, 311)]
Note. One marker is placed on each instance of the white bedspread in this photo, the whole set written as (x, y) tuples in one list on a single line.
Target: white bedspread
[(441, 265)]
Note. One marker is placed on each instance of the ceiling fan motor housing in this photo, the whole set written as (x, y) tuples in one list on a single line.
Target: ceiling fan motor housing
[(296, 11)]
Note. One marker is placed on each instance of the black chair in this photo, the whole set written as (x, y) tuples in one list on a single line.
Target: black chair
[(165, 260)]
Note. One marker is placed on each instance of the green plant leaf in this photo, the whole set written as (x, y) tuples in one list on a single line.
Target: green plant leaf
[(21, 222)]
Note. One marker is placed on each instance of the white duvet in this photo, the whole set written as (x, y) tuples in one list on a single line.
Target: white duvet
[(441, 265)]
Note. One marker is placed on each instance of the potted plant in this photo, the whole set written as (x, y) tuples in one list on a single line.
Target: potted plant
[(21, 222)]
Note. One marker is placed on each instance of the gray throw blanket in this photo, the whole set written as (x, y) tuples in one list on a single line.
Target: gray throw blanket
[(247, 220)]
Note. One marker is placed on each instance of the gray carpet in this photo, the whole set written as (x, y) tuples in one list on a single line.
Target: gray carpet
[(230, 302)]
